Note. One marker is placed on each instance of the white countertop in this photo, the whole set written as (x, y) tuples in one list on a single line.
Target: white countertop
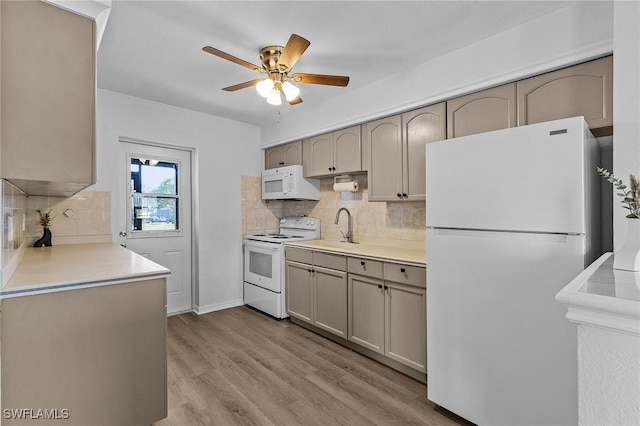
[(604, 297), (65, 267), (391, 252)]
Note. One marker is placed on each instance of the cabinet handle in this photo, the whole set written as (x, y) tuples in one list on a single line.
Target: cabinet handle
[(281, 163), (399, 195), (379, 285), (404, 195), (386, 288), (362, 263), (329, 168), (403, 270), (333, 168)]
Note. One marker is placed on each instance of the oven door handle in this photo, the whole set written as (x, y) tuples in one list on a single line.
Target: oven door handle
[(262, 246)]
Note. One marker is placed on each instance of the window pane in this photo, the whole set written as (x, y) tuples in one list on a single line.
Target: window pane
[(154, 176), (151, 213)]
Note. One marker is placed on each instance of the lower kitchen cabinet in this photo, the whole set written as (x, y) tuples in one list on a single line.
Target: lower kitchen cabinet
[(366, 312), (406, 325), (299, 291), (390, 319), (317, 294), (97, 355)]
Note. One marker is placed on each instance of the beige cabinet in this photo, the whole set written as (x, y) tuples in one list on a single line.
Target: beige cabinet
[(76, 350), (585, 89), (48, 98), (289, 154), (333, 153), (395, 149), (316, 291), (484, 111), (387, 313), (299, 290)]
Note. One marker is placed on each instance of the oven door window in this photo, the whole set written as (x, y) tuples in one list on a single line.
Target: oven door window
[(261, 264)]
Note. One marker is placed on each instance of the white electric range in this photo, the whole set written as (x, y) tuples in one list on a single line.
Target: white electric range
[(264, 265)]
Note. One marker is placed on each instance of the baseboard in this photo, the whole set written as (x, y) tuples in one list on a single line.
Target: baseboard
[(201, 310)]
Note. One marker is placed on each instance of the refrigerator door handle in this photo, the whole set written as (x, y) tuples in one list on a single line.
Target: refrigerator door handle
[(506, 231)]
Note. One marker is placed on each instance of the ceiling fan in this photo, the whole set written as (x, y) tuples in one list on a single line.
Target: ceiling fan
[(277, 62)]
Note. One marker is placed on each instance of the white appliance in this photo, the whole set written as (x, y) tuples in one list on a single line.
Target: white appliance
[(512, 217), (288, 183), (264, 287)]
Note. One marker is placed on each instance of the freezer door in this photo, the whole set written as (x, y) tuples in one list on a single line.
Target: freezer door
[(499, 348), (526, 178)]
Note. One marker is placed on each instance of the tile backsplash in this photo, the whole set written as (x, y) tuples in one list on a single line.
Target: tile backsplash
[(371, 220), (85, 214)]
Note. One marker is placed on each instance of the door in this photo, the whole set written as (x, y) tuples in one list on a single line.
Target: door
[(273, 158), (155, 220), (347, 150), (319, 155), (330, 301), (406, 325), (299, 291), (385, 152), (498, 341), (526, 178), (263, 264), (419, 127), (366, 312)]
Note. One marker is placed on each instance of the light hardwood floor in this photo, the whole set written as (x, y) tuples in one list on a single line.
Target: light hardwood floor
[(239, 366)]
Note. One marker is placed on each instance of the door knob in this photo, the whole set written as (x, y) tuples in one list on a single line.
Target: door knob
[(122, 234)]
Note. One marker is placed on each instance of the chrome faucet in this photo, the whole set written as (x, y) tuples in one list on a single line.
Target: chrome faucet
[(348, 236)]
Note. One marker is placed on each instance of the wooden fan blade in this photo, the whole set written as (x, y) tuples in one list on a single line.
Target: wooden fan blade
[(292, 51), (296, 101), (224, 55), (329, 80), (243, 85)]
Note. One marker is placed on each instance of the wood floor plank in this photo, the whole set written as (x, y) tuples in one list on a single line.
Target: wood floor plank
[(241, 367)]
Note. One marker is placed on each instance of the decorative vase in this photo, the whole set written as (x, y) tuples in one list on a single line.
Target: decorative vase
[(628, 257), (45, 240)]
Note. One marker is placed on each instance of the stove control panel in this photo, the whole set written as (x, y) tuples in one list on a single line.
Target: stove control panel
[(297, 222)]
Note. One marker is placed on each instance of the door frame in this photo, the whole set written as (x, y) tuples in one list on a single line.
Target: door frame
[(195, 197)]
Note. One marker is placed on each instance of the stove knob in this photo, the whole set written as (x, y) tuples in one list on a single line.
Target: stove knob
[(308, 222), (312, 222), (283, 220)]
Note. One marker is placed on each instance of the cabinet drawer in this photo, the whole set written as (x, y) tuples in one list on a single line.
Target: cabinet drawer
[(412, 275), (299, 255), (331, 261), (366, 267)]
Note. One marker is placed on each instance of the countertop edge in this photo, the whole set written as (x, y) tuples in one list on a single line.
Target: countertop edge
[(601, 311), (304, 245)]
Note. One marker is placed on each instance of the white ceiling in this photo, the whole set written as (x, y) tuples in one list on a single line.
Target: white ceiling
[(153, 49)]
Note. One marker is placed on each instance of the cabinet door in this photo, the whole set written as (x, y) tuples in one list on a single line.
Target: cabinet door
[(347, 150), (318, 152), (584, 89), (419, 127), (48, 109), (366, 312), (406, 325), (273, 157), (292, 153), (330, 301), (384, 140), (484, 111), (299, 291)]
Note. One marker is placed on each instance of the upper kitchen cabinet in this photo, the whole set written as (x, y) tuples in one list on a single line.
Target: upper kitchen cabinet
[(396, 151), (484, 111), (289, 154), (585, 89), (48, 98), (333, 153)]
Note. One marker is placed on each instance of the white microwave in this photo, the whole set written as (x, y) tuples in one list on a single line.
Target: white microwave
[(287, 183)]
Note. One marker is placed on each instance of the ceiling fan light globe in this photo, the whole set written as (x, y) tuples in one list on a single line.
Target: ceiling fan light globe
[(274, 98), (265, 87), (290, 91)]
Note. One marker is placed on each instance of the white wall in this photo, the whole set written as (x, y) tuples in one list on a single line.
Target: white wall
[(568, 36), (626, 101), (225, 150)]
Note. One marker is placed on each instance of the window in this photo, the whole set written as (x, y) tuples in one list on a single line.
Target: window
[(155, 197)]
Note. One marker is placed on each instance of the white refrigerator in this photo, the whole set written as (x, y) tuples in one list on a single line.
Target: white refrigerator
[(512, 217)]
